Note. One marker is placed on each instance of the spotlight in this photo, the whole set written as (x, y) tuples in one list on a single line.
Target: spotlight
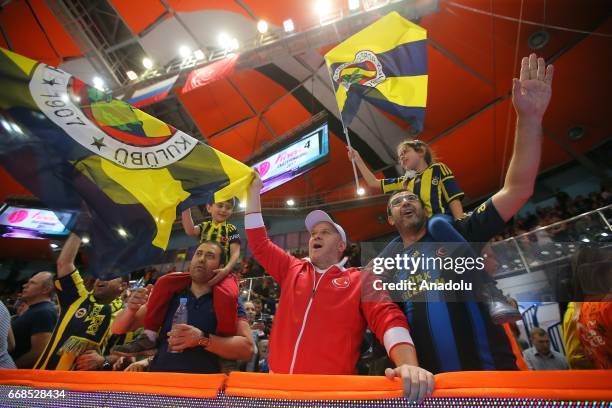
[(198, 54), (360, 191), (85, 240), (323, 7), (576, 133), (290, 202), (54, 246), (184, 51), (262, 27), (122, 232), (98, 83), (604, 234), (147, 63), (538, 40), (288, 25), (353, 5), (224, 41), (586, 240), (131, 75)]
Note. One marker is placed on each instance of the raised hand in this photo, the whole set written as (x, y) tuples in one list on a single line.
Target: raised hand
[(139, 297), (353, 154), (531, 92)]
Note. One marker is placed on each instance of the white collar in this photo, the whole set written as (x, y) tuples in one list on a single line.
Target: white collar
[(340, 265)]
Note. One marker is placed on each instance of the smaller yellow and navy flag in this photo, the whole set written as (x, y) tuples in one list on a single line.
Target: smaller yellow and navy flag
[(384, 64), (76, 148)]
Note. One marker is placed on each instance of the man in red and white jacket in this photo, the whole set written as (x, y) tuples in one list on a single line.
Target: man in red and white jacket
[(321, 318)]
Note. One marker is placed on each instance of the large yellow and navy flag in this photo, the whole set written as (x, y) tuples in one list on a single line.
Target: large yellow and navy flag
[(384, 64), (76, 148)]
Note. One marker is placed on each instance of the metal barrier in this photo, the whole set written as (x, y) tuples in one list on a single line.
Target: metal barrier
[(554, 333), (552, 243), (530, 320)]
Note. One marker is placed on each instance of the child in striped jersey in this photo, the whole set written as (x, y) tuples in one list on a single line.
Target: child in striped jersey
[(441, 196), (226, 290), (432, 181)]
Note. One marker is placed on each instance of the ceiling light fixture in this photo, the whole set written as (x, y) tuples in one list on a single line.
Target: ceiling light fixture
[(131, 75), (288, 25), (262, 27), (98, 83), (538, 40), (576, 133), (198, 54), (323, 7), (147, 63), (184, 51)]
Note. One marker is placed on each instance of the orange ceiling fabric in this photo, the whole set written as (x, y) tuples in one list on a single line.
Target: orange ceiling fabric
[(16, 19), (365, 222), (139, 15), (58, 36)]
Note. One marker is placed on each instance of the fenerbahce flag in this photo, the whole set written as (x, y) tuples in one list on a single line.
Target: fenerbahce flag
[(385, 64), (76, 148)]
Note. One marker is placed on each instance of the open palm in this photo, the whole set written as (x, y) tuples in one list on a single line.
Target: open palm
[(531, 92)]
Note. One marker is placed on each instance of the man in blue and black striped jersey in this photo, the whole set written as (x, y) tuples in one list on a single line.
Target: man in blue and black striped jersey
[(452, 330)]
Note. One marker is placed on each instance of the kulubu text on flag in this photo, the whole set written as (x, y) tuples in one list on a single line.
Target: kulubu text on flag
[(76, 148)]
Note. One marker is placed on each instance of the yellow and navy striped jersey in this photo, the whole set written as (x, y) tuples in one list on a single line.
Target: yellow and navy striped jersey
[(224, 233), (83, 324), (436, 185)]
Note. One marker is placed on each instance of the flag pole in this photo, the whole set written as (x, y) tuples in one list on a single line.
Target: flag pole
[(348, 142)]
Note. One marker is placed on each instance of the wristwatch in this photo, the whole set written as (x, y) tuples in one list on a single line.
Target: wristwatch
[(106, 366), (204, 340)]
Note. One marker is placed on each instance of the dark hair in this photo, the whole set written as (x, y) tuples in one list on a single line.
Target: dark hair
[(218, 245), (418, 146)]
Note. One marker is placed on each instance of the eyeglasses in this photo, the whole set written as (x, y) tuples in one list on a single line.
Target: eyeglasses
[(397, 201)]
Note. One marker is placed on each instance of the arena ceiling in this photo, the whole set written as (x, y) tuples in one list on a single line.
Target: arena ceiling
[(474, 50)]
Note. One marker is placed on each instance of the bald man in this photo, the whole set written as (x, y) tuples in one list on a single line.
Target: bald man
[(33, 328)]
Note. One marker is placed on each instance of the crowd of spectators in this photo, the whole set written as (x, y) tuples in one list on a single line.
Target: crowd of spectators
[(260, 293), (565, 208)]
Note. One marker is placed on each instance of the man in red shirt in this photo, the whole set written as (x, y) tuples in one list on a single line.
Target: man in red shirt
[(321, 318)]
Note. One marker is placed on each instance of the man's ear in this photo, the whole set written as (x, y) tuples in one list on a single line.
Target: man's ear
[(342, 246), (390, 220)]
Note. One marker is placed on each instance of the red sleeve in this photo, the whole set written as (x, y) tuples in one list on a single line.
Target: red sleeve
[(384, 317), (274, 260)]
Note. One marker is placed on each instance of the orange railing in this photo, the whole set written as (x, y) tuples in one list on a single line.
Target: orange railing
[(541, 385)]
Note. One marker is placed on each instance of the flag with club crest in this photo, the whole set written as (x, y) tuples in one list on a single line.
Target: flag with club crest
[(384, 64), (129, 174)]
